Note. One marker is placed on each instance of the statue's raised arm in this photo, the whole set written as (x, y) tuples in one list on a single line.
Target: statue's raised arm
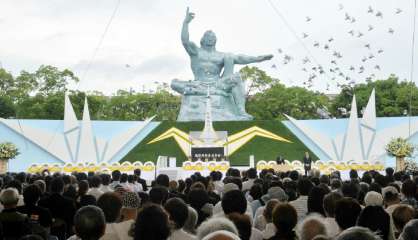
[(190, 46), (244, 59)]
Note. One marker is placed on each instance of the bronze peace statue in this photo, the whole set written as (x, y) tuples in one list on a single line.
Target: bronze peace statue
[(214, 74)]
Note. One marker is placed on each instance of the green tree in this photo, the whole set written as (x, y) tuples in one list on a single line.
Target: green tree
[(136, 106), (278, 100), (392, 97), (7, 108), (256, 79)]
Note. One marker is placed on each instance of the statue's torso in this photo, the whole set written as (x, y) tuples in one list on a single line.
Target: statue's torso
[(207, 66)]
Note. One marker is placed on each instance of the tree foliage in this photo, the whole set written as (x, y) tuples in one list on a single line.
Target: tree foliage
[(278, 100), (392, 97), (40, 95), (256, 79)]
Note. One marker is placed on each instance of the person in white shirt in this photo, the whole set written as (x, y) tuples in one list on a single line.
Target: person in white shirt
[(111, 204), (124, 183), (104, 187), (217, 181), (219, 212), (252, 176), (301, 203), (178, 211), (95, 187), (115, 179), (329, 202)]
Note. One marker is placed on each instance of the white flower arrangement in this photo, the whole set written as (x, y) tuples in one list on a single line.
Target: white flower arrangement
[(399, 147), (411, 166), (8, 151)]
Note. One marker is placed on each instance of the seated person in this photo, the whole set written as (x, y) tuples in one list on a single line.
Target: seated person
[(15, 224)]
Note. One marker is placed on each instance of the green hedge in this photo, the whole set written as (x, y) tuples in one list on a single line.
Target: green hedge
[(261, 148)]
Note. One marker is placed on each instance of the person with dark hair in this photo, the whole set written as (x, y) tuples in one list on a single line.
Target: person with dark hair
[(236, 180), (389, 174), (304, 186), (335, 184), (233, 172), (105, 183), (409, 190), (376, 219), (256, 192), (152, 223), (307, 163), (324, 179), (178, 212), (16, 184), (367, 178), (124, 182), (353, 174), (83, 188), (133, 183), (315, 199), (350, 189), (199, 200), (285, 219), (357, 233), (37, 215), (62, 209), (252, 176), (115, 179), (137, 172), (242, 223), (158, 195), (162, 180), (111, 205), (347, 211), (329, 203), (234, 201), (94, 190), (280, 160), (89, 223)]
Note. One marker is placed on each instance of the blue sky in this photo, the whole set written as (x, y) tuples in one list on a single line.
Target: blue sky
[(145, 35)]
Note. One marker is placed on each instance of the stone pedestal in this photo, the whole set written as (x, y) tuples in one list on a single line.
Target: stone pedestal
[(3, 166), (223, 109), (400, 164)]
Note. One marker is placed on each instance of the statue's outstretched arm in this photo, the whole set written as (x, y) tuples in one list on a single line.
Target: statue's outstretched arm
[(190, 46), (244, 59)]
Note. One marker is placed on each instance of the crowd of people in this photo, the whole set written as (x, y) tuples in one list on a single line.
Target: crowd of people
[(247, 205)]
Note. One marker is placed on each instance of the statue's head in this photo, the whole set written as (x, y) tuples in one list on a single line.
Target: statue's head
[(208, 39)]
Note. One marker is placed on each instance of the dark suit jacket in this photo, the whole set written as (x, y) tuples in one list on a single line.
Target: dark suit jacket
[(307, 162), (60, 207), (143, 183)]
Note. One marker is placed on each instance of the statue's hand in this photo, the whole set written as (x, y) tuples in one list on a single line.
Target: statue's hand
[(189, 16), (266, 57)]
